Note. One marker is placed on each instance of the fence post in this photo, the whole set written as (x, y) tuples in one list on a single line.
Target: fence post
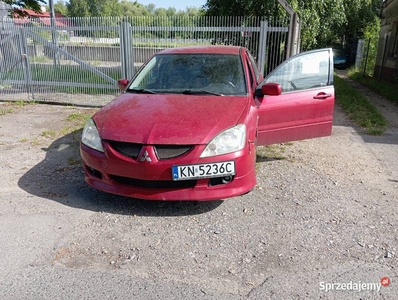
[(126, 50), (262, 48), (54, 34), (25, 62), (366, 58), (359, 56), (293, 36)]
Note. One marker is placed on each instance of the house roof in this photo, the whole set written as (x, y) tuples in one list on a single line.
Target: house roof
[(42, 14), (44, 17)]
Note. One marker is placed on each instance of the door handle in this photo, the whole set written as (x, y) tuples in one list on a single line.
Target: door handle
[(322, 96)]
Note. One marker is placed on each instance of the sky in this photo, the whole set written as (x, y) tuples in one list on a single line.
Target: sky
[(177, 4)]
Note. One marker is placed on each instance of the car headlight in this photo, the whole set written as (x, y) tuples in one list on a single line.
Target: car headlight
[(228, 141), (90, 136)]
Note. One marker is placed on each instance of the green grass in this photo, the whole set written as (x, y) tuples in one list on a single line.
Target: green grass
[(383, 88), (11, 105), (358, 108), (6, 111), (49, 134), (272, 152), (76, 121), (22, 103), (79, 117), (75, 124), (35, 142)]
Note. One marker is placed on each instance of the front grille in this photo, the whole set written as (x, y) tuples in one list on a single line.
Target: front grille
[(155, 184), (127, 149), (171, 151), (162, 151)]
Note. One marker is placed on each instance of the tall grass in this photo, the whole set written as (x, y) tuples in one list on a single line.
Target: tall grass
[(359, 109), (383, 88)]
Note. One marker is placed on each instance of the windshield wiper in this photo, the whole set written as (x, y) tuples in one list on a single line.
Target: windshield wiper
[(200, 92), (140, 91)]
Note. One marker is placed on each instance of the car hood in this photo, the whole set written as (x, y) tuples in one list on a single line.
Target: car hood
[(168, 119)]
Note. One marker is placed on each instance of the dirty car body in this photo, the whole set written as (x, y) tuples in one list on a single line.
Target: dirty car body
[(187, 125)]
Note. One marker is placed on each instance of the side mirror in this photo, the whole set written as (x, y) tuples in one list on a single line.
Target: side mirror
[(270, 89), (122, 84)]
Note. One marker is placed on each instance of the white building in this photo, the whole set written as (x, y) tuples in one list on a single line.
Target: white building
[(387, 55)]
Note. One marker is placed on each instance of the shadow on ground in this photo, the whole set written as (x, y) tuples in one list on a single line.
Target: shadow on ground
[(60, 177)]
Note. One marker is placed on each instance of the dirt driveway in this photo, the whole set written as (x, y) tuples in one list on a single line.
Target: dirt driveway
[(321, 223)]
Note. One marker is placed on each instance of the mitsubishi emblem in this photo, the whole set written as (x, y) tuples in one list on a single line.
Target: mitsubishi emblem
[(145, 157)]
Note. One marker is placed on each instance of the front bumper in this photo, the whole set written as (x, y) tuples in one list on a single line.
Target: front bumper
[(340, 64), (115, 173)]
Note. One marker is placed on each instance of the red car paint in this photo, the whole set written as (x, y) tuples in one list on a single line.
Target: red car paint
[(277, 109), (169, 118)]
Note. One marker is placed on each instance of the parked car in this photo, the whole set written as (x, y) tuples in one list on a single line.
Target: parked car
[(339, 59), (187, 125)]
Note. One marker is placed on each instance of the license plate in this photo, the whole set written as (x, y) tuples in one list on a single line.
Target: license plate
[(203, 170)]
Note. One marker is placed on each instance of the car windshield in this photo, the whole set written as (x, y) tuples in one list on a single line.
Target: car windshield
[(202, 74)]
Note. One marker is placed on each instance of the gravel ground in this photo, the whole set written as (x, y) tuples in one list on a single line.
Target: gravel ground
[(323, 215)]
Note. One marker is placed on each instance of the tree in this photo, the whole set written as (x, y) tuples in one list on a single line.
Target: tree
[(60, 7), (360, 14), (150, 8), (17, 5), (94, 8), (246, 8), (133, 8), (320, 20), (191, 11), (78, 8), (161, 12), (324, 22), (106, 8)]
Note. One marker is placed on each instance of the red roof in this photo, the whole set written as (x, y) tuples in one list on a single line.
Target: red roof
[(44, 17)]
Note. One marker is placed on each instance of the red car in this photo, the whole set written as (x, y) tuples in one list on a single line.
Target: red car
[(187, 125)]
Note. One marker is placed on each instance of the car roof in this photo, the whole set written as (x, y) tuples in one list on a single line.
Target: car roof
[(338, 51), (203, 49)]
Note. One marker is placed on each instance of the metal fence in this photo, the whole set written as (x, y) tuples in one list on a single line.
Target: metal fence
[(365, 58), (79, 60)]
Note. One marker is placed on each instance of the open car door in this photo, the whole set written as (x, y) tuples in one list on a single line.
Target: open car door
[(296, 100)]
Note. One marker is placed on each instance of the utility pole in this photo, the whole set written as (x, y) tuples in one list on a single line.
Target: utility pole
[(53, 32), (293, 44)]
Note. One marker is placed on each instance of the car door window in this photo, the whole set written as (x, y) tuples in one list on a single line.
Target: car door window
[(305, 108), (302, 72)]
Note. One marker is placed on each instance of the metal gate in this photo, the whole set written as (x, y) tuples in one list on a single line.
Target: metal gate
[(35, 67), (79, 60)]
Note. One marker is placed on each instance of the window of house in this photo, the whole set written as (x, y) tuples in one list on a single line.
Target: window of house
[(394, 41)]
